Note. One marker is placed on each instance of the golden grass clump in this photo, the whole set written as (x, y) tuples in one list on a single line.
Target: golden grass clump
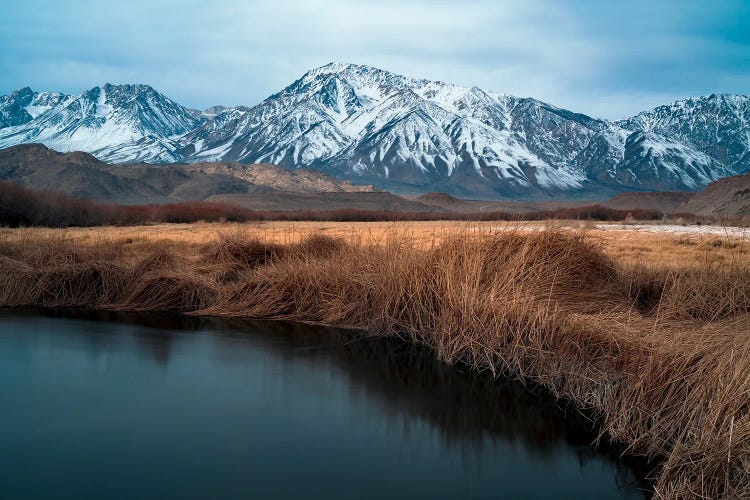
[(96, 283), (239, 251), (709, 292), (169, 290), (659, 353)]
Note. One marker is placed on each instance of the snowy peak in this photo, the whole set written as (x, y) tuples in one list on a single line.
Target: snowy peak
[(369, 86), (140, 107), (23, 105), (718, 125), (211, 112), (720, 105), (358, 75), (115, 122)]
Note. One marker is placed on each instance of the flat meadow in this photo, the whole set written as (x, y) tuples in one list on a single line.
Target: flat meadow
[(683, 245)]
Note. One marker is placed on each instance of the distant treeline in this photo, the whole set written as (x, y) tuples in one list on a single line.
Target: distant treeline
[(21, 206)]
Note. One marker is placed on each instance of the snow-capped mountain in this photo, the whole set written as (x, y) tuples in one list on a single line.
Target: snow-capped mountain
[(363, 123), (718, 125), (374, 126), (117, 123)]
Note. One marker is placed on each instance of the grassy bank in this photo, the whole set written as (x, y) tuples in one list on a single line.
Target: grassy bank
[(660, 352)]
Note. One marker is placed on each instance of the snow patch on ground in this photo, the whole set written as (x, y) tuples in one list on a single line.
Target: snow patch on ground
[(732, 232), (742, 233)]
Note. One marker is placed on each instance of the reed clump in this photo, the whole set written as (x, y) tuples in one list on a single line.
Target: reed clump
[(660, 354)]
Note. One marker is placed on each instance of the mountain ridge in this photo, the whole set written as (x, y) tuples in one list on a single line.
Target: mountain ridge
[(83, 175), (364, 124)]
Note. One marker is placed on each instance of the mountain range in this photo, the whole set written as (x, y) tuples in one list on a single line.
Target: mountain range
[(372, 126)]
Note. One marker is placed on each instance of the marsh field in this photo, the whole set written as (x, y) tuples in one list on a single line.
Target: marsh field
[(647, 331)]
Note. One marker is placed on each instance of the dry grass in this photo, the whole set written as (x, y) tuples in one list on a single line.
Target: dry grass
[(659, 350), (622, 245)]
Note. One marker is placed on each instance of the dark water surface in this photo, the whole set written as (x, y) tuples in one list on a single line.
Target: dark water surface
[(158, 406)]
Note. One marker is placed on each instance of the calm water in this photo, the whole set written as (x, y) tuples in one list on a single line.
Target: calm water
[(154, 407)]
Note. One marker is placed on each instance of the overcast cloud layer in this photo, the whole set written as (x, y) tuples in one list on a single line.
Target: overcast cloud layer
[(606, 59)]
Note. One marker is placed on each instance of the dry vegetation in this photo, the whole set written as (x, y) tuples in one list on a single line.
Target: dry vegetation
[(659, 351), (623, 245), (23, 207)]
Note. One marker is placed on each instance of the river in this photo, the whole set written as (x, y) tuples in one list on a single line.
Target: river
[(122, 405)]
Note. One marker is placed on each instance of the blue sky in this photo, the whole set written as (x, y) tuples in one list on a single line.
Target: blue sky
[(607, 59)]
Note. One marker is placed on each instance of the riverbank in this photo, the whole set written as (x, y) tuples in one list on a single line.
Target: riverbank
[(658, 349)]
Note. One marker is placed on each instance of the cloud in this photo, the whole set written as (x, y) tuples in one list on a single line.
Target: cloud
[(606, 59)]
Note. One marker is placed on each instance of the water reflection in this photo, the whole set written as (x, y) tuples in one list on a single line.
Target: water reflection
[(469, 411)]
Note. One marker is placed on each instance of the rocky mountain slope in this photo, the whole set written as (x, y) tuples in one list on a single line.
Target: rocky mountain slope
[(669, 201), (728, 197), (403, 134), (82, 175)]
